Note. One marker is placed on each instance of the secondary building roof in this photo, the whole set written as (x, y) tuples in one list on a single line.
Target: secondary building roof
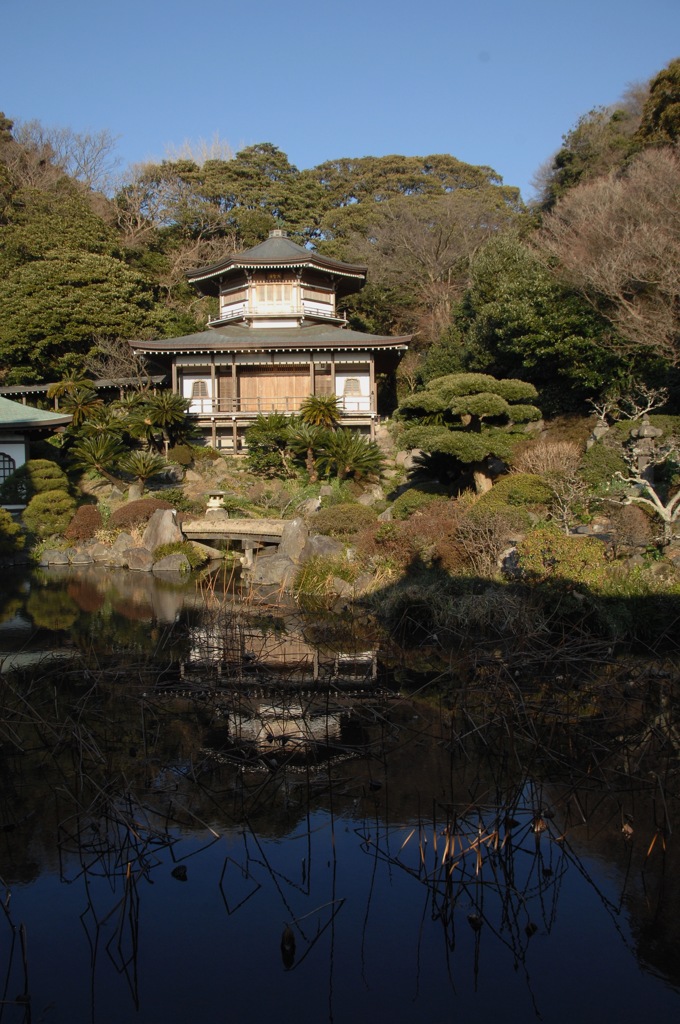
[(17, 416)]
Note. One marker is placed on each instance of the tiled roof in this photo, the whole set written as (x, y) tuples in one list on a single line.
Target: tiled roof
[(235, 338), (278, 251), (21, 417)]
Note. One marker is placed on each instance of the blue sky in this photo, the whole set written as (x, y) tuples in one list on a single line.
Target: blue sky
[(495, 82)]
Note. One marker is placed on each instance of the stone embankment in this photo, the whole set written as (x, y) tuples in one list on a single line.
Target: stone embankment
[(275, 565), (125, 553)]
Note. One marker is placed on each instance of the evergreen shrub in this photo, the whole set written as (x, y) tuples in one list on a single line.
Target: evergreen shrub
[(416, 499), (204, 453), (48, 513), (181, 455), (12, 538), (599, 467), (549, 554), (35, 477), (343, 520)]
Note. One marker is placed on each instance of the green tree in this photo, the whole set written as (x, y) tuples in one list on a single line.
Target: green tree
[(467, 417), (660, 122), (517, 319), (267, 442)]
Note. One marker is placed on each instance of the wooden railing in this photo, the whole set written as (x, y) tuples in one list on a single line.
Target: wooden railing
[(259, 404)]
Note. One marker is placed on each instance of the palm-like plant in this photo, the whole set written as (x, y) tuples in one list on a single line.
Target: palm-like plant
[(170, 413), (348, 454), (305, 441), (81, 401), (100, 453), (101, 420), (142, 465), (320, 411)]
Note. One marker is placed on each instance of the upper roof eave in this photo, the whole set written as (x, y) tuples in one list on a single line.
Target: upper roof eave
[(244, 339), (311, 261)]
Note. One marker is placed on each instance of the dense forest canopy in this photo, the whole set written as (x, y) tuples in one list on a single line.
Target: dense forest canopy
[(572, 294)]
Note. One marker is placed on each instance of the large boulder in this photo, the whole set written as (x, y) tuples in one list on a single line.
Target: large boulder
[(294, 540), (162, 528), (139, 559), (321, 546), (274, 568), (50, 556), (172, 563)]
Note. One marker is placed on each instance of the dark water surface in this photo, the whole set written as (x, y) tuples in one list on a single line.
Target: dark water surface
[(208, 813)]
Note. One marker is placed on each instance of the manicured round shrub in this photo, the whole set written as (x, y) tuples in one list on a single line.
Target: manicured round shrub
[(35, 477), (416, 499), (85, 523), (49, 513), (136, 513), (343, 520), (12, 538), (548, 554), (178, 498), (518, 489), (181, 455)]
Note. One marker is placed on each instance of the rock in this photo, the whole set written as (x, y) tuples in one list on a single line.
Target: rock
[(372, 495), (325, 547), (123, 541), (326, 491), (174, 474), (172, 563), (294, 539), (77, 556), (341, 587), (51, 556), (272, 569), (100, 552), (363, 584), (209, 551), (138, 559), (116, 560), (386, 516), (309, 506), (162, 528)]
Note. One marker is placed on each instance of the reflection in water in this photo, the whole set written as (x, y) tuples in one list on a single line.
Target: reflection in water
[(233, 815)]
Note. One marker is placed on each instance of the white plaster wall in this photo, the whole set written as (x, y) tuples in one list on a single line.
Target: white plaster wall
[(354, 403), (198, 405)]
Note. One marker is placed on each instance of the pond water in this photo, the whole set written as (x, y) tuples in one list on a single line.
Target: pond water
[(211, 811)]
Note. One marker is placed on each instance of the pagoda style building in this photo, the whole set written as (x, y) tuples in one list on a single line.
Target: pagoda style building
[(278, 337)]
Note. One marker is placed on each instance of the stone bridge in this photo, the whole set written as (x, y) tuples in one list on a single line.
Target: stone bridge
[(251, 534)]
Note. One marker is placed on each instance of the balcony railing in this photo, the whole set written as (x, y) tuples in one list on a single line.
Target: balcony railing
[(256, 405), (241, 310)]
